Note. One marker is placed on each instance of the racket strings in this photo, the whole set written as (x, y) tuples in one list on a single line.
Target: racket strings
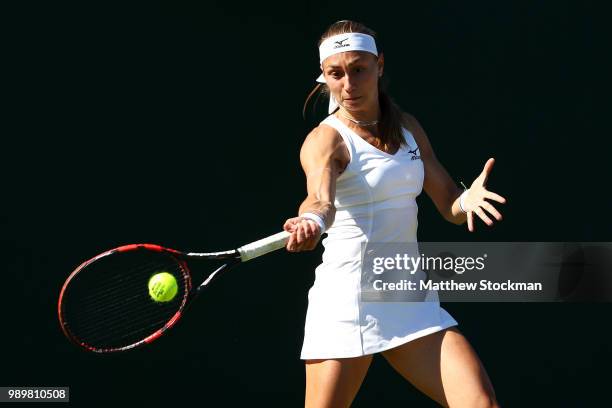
[(107, 304), (111, 284), (118, 322), (117, 294), (124, 338), (114, 288), (122, 325)]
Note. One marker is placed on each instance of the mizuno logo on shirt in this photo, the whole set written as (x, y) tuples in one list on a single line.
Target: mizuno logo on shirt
[(414, 154)]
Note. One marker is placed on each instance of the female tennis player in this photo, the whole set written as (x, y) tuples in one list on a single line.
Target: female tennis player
[(365, 164)]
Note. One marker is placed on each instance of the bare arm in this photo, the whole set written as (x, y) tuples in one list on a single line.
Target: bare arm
[(438, 184), (323, 156), (446, 194)]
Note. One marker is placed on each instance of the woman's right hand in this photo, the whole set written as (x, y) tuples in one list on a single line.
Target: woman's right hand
[(323, 155), (305, 234)]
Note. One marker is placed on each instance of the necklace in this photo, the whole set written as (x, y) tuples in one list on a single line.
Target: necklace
[(360, 122)]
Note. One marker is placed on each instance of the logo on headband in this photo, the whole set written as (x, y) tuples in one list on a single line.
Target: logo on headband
[(339, 44)]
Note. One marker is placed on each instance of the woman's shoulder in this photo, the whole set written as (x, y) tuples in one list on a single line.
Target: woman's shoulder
[(323, 134), (410, 123), (325, 140)]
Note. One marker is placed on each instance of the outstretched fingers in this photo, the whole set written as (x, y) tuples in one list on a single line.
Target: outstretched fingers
[(491, 210), (496, 197), (483, 216), (470, 221), (488, 167)]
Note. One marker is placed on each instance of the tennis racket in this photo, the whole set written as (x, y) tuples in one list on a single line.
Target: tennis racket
[(105, 305)]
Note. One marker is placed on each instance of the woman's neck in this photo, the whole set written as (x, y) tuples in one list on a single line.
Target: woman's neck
[(366, 119)]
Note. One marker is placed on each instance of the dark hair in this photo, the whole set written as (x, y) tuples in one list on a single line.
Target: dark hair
[(390, 124)]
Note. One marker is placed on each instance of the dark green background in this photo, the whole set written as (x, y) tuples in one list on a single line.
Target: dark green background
[(180, 124)]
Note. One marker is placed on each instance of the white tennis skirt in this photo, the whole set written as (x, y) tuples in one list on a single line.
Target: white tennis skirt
[(339, 325)]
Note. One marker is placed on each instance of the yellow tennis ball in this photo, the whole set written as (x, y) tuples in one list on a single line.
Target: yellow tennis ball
[(163, 287)]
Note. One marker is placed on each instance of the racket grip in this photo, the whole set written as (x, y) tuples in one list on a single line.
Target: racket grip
[(263, 246)]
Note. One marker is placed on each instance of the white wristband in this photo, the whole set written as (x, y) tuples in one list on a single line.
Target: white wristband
[(315, 218), (461, 198)]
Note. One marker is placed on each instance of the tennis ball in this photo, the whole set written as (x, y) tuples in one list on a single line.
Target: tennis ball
[(163, 287)]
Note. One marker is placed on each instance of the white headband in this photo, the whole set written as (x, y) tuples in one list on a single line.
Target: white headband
[(342, 43)]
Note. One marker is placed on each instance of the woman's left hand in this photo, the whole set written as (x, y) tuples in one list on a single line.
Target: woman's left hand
[(474, 201)]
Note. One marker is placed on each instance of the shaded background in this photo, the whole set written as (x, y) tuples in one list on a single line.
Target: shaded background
[(180, 123)]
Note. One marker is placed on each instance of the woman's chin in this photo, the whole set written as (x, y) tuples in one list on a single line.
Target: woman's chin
[(352, 106)]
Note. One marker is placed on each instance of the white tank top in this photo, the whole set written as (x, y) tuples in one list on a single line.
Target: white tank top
[(376, 194)]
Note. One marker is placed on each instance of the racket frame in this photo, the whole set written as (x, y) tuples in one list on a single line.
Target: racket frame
[(233, 258)]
